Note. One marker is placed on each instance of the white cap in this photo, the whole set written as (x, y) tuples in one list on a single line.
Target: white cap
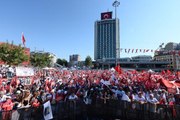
[(18, 92), (49, 96), (151, 95), (65, 92)]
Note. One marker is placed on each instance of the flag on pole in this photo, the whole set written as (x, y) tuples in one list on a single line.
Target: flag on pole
[(147, 50), (23, 39), (47, 111), (132, 50), (136, 50), (144, 51), (125, 51)]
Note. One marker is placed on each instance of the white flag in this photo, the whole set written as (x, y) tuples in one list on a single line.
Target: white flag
[(47, 111)]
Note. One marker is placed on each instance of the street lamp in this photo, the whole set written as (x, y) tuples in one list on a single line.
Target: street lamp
[(103, 60), (116, 4), (117, 53)]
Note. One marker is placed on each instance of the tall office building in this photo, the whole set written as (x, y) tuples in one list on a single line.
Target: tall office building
[(106, 41)]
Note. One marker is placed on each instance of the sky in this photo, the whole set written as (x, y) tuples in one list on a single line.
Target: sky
[(66, 27)]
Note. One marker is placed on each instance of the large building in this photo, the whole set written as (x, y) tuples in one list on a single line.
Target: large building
[(106, 41), (74, 59), (170, 53)]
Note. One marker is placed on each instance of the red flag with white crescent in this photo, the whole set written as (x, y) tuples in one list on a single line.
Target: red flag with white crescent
[(23, 39)]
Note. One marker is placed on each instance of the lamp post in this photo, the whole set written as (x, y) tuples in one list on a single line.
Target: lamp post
[(116, 4), (117, 52), (103, 61)]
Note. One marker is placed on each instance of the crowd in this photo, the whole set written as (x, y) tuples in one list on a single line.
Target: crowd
[(86, 85)]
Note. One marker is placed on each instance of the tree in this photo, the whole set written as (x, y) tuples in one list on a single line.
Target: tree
[(65, 63), (88, 61), (40, 59), (59, 61), (12, 55), (62, 62)]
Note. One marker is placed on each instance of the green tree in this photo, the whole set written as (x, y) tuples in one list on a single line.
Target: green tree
[(12, 55), (62, 62), (59, 61), (65, 63), (40, 59), (88, 61)]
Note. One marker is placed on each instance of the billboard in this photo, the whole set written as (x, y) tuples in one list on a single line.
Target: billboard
[(106, 15)]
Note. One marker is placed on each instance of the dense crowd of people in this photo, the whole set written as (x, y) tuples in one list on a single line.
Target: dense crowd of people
[(86, 85)]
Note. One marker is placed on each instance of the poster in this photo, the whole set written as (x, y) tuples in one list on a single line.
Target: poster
[(47, 112)]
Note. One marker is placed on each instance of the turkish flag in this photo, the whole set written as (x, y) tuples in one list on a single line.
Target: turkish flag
[(118, 69), (106, 15), (23, 39)]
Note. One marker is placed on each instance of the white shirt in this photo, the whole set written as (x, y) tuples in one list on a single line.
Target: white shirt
[(3, 98), (141, 99), (153, 101), (125, 98), (72, 97)]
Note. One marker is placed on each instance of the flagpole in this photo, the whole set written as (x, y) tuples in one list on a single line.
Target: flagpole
[(23, 40)]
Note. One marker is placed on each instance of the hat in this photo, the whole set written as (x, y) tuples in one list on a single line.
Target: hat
[(60, 91), (49, 96), (151, 95), (18, 92), (3, 83), (65, 92), (8, 97), (1, 93)]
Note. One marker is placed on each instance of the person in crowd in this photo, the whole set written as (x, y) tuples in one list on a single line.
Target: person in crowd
[(72, 97), (125, 97), (62, 86), (2, 97), (152, 99), (140, 98), (157, 94), (105, 96), (171, 99)]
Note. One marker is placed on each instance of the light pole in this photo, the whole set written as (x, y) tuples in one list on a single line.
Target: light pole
[(116, 4), (177, 62), (117, 52), (103, 60)]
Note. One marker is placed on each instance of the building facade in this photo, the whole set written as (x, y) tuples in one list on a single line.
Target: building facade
[(170, 53), (106, 38), (142, 58), (74, 59)]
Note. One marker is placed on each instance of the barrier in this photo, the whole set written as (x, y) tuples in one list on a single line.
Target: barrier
[(113, 109)]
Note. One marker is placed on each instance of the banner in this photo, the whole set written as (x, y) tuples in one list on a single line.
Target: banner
[(24, 71), (47, 112), (15, 115)]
